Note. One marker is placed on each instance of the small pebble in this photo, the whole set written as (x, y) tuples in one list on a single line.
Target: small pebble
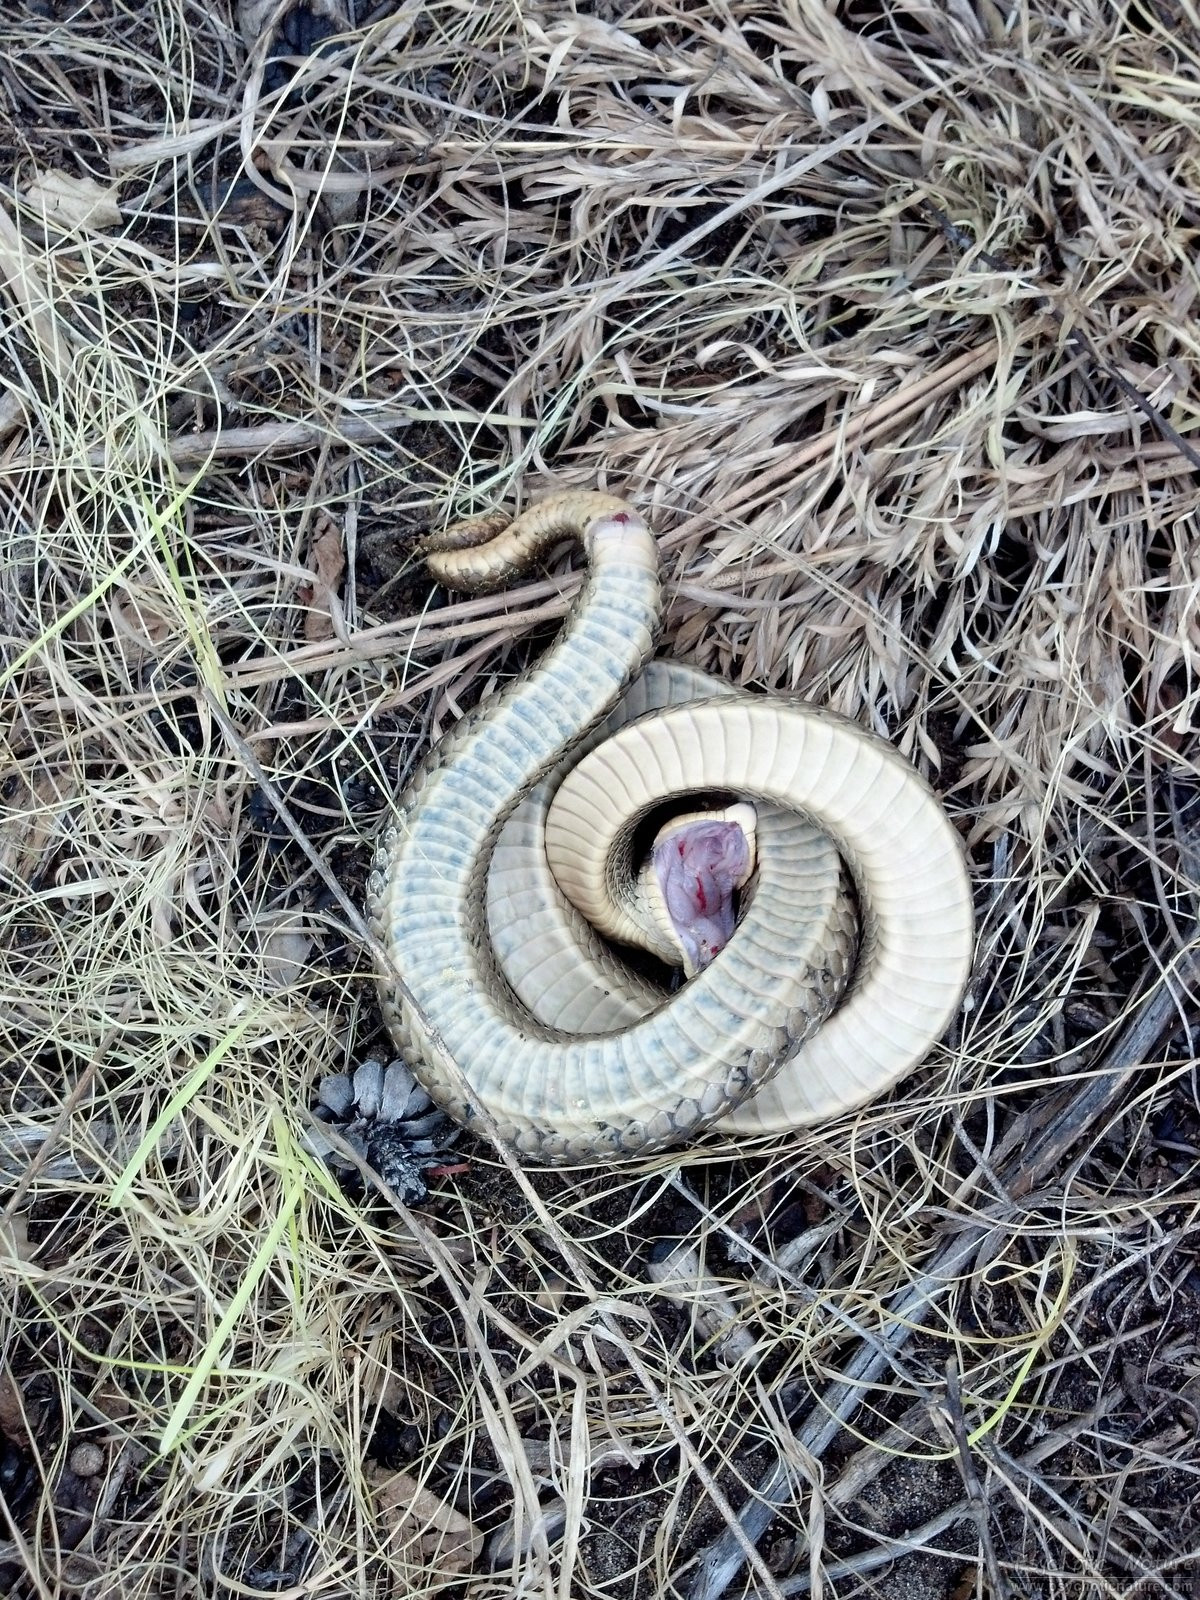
[(552, 1295), (86, 1460)]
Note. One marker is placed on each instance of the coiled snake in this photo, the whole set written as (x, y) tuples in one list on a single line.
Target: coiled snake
[(574, 1056)]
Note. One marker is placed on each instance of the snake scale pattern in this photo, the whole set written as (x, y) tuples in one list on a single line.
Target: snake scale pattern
[(573, 1057)]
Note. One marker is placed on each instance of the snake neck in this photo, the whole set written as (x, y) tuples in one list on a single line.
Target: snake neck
[(453, 809)]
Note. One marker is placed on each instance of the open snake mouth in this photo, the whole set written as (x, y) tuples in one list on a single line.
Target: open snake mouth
[(698, 866)]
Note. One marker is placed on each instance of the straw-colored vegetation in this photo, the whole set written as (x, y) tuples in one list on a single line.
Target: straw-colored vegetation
[(886, 314)]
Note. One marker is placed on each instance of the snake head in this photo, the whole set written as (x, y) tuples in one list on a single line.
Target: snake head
[(699, 864)]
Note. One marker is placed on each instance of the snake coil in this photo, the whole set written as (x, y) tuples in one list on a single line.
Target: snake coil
[(574, 1057)]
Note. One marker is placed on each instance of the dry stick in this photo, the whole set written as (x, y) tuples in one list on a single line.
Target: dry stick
[(433, 678), (466, 620), (194, 449), (11, 1147), (966, 1466), (354, 920), (16, 1163), (890, 1548), (1033, 1156)]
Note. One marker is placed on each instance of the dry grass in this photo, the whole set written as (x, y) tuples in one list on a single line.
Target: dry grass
[(886, 313)]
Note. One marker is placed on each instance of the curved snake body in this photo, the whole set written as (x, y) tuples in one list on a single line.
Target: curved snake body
[(648, 1071), (569, 977)]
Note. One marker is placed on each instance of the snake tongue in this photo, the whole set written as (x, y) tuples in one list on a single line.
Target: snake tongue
[(699, 867)]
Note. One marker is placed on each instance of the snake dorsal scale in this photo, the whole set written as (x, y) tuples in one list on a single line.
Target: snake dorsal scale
[(650, 1070)]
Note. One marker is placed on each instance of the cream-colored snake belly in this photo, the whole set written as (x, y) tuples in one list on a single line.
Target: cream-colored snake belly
[(574, 1057)]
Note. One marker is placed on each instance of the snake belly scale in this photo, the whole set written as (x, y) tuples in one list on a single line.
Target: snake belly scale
[(728, 1048)]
